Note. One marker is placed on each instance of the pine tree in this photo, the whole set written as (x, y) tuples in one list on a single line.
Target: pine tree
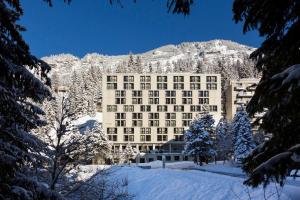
[(198, 139), (150, 68), (223, 140), (159, 69), (199, 67), (242, 135), (23, 83), (168, 67), (138, 65), (130, 64), (129, 153), (278, 92)]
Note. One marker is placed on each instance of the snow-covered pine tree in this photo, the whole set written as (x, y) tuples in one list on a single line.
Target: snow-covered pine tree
[(129, 153), (23, 83), (199, 67), (138, 65), (159, 68), (77, 95), (168, 67), (97, 144), (241, 131), (150, 68), (224, 144), (130, 64), (198, 139)]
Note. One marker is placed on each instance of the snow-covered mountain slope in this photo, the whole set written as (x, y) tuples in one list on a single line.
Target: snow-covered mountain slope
[(209, 53)]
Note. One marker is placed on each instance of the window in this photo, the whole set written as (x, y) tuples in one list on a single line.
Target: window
[(195, 108), (111, 86), (187, 101), (145, 86), (111, 108), (153, 101), (186, 122), (145, 130), (179, 137), (178, 130), (120, 123), (178, 86), (211, 86), (161, 78), (112, 134), (145, 79), (111, 131), (120, 101), (137, 93), (187, 115), (162, 86), (128, 130), (137, 100), (120, 93), (170, 100), (211, 79), (128, 79), (128, 108), (176, 158), (153, 122), (170, 116), (178, 108), (153, 93), (137, 115), (145, 138), (213, 108), (120, 115), (128, 86), (211, 82), (162, 130), (153, 115), (162, 108), (203, 93), (128, 138), (178, 79), (145, 108), (195, 86), (111, 79), (203, 101), (194, 79), (170, 93), (138, 123), (187, 93), (162, 138), (113, 137), (170, 122)]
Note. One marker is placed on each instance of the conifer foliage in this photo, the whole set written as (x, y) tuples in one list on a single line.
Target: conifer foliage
[(278, 92), (223, 140), (22, 77), (198, 139), (241, 130)]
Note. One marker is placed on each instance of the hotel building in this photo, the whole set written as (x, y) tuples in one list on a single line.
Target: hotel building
[(151, 111)]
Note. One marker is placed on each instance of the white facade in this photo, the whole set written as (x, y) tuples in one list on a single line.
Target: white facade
[(152, 110)]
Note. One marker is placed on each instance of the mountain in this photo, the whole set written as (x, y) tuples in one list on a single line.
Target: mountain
[(209, 54)]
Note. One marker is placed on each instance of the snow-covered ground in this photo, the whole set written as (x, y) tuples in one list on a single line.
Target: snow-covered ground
[(176, 182)]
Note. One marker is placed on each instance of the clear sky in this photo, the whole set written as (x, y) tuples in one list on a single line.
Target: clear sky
[(87, 26)]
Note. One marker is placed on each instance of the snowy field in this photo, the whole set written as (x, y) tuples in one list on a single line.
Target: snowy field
[(175, 183)]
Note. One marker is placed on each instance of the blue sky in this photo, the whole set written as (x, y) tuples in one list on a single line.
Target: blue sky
[(87, 26)]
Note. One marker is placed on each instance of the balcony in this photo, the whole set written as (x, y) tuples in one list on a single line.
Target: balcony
[(239, 88), (244, 94)]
